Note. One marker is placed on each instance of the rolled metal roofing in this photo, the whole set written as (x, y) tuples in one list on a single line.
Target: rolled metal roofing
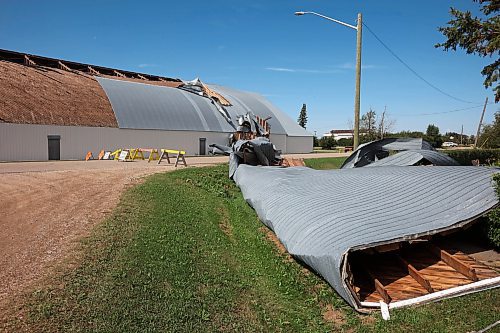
[(145, 106), (375, 150), (415, 157), (322, 215)]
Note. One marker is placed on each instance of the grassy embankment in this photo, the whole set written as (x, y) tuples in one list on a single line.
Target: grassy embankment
[(184, 252)]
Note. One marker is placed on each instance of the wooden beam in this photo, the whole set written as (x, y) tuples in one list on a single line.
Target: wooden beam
[(93, 71), (28, 61), (379, 287), (118, 73), (415, 274), (453, 262), (141, 77), (63, 66), (382, 291)]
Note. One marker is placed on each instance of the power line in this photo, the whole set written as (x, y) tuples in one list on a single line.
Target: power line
[(442, 112), (412, 70)]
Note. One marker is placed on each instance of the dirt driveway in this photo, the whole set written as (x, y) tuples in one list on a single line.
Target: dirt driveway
[(45, 207)]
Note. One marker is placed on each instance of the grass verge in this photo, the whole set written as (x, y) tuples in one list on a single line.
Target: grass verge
[(184, 253), (325, 162)]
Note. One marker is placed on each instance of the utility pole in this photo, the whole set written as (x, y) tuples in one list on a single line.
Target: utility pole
[(480, 123), (462, 135), (359, 29)]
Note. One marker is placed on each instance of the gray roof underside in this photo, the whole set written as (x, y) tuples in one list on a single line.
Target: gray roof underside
[(365, 153), (145, 106), (321, 215), (413, 157)]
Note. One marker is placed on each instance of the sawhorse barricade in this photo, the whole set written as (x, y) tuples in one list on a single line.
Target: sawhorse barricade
[(178, 154), (136, 153)]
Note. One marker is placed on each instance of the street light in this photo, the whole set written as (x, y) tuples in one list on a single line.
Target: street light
[(359, 29)]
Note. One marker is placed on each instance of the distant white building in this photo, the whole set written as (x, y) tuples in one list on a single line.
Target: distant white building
[(340, 134)]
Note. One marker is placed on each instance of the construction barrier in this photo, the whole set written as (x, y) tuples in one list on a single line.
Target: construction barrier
[(124, 156), (89, 156), (178, 155), (136, 153), (115, 154), (101, 155)]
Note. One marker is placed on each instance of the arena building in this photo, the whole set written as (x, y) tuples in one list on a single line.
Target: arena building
[(56, 109)]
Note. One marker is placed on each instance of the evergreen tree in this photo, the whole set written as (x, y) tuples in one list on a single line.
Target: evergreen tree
[(477, 36), (302, 120), (432, 136)]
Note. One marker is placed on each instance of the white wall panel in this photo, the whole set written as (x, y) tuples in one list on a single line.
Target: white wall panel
[(25, 142)]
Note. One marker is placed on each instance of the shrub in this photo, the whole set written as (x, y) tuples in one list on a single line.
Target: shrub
[(327, 142), (485, 156), (493, 222)]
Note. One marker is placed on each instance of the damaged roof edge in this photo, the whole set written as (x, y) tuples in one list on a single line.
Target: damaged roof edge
[(417, 201), (359, 305)]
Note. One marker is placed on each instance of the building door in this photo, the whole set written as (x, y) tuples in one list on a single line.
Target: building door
[(54, 147), (203, 146)]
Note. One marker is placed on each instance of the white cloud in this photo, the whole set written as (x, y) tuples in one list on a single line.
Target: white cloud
[(147, 65), (301, 70)]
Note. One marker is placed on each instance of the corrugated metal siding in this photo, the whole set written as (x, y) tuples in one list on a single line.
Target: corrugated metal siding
[(297, 144), (412, 157), (321, 215), (22, 142)]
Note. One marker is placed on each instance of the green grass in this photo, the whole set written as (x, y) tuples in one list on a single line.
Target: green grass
[(183, 252), (325, 162)]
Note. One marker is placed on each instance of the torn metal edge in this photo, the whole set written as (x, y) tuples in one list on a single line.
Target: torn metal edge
[(362, 306)]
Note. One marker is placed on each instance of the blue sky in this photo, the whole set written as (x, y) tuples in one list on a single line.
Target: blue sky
[(261, 46)]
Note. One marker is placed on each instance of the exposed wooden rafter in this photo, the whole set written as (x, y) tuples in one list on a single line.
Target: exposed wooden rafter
[(92, 71), (28, 61), (63, 66), (453, 262), (415, 274), (118, 74)]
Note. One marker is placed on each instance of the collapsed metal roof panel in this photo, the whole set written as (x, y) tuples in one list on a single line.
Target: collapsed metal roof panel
[(374, 150), (414, 157), (244, 102), (145, 106), (322, 215)]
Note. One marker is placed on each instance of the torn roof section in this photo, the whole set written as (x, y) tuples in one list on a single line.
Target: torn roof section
[(415, 157), (377, 150), (322, 215)]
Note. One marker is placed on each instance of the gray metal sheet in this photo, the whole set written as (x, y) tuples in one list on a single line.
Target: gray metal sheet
[(145, 106), (413, 157), (368, 152), (242, 102), (321, 215)]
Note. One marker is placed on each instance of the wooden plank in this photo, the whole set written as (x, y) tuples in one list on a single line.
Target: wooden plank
[(453, 262), (63, 66), (28, 61), (118, 73), (93, 71), (379, 287), (141, 77), (415, 274), (382, 291)]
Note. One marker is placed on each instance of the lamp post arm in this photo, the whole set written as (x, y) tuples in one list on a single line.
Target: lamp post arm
[(332, 19)]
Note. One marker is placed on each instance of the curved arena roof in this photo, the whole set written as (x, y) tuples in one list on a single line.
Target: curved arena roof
[(145, 106)]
